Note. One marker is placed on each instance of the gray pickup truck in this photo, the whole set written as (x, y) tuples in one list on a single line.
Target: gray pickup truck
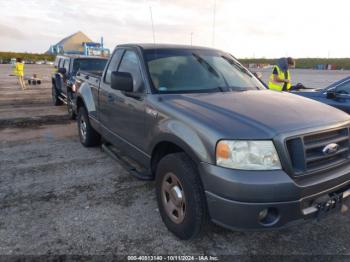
[(219, 146)]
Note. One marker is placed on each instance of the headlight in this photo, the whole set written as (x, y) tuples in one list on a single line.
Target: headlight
[(247, 155)]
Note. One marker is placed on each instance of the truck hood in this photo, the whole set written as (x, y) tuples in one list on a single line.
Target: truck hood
[(309, 92), (255, 113)]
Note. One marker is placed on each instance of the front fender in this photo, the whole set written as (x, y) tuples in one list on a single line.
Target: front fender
[(183, 136), (85, 93), (58, 82)]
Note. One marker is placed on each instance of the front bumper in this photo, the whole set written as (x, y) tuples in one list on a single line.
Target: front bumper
[(236, 199)]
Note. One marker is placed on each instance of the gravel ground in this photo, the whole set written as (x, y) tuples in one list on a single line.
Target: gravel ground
[(57, 197)]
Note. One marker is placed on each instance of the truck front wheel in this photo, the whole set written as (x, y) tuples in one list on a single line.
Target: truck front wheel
[(70, 107), (87, 134), (56, 101), (180, 196)]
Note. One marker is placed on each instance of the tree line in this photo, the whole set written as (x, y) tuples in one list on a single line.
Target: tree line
[(304, 63), (6, 56), (340, 63)]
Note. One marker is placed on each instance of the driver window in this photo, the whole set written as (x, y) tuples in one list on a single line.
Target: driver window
[(60, 63), (131, 64), (113, 65), (343, 89), (66, 65)]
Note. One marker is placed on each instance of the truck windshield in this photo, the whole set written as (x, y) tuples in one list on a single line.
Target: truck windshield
[(184, 71), (88, 65)]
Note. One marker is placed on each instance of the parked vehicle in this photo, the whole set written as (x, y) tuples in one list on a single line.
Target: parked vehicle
[(217, 142), (63, 81), (337, 94)]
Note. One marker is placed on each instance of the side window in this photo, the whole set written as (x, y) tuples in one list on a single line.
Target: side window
[(57, 60), (60, 62), (113, 65), (131, 64), (66, 65), (343, 89)]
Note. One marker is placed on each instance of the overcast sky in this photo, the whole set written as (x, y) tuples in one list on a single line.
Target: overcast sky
[(255, 28)]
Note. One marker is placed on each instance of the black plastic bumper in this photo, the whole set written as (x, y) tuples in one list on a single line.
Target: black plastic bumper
[(238, 199)]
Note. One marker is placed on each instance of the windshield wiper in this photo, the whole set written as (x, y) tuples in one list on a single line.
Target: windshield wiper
[(237, 88), (222, 89)]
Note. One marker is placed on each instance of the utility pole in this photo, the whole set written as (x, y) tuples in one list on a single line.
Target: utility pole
[(191, 37), (214, 17), (154, 35)]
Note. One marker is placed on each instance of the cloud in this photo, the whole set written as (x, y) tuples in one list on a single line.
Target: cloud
[(243, 27), (263, 31), (11, 32)]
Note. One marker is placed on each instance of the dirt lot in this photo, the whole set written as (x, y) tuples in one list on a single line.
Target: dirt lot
[(57, 197)]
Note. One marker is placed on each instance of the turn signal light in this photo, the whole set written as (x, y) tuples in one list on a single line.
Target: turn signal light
[(222, 150)]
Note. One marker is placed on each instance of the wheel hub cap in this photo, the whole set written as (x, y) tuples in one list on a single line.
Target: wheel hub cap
[(173, 198), (83, 128)]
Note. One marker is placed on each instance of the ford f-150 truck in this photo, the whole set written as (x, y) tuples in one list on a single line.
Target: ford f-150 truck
[(63, 80), (219, 145)]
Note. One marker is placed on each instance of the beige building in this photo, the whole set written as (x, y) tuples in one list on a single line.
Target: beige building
[(73, 44)]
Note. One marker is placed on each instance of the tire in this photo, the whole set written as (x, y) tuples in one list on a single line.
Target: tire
[(88, 136), (192, 218), (55, 100), (70, 108)]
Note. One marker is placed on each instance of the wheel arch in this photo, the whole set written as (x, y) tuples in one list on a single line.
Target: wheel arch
[(169, 146), (86, 98), (80, 102)]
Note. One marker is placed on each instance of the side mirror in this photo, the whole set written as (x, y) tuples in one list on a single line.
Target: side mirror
[(331, 94), (62, 70), (122, 81)]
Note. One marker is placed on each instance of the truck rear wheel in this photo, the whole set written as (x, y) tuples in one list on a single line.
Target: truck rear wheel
[(180, 196), (87, 134)]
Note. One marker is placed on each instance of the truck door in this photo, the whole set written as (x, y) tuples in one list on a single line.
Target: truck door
[(105, 93), (123, 113), (59, 78), (65, 76)]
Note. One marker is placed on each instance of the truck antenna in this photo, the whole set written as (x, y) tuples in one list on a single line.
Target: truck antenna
[(154, 35), (214, 17)]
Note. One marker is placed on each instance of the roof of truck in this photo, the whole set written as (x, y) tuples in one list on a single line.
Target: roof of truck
[(81, 56), (150, 46)]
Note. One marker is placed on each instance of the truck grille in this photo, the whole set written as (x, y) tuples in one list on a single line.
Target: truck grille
[(307, 152)]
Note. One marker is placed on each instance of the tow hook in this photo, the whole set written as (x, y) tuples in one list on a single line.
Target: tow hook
[(335, 202)]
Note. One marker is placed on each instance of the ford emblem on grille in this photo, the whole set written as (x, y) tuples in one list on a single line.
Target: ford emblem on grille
[(330, 149)]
